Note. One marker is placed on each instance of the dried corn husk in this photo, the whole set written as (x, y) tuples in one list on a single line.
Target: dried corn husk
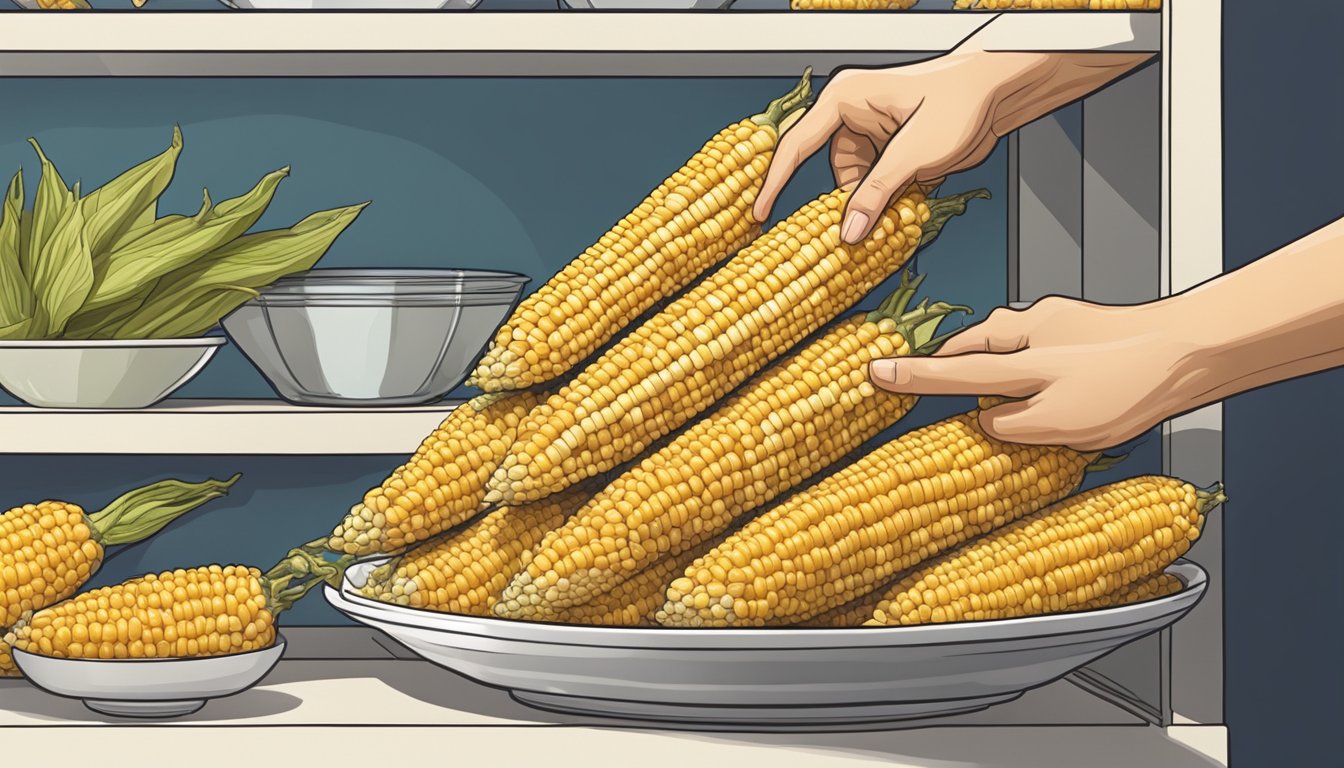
[(191, 300)]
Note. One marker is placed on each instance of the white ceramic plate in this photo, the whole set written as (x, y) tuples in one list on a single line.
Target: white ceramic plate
[(149, 687), (771, 678)]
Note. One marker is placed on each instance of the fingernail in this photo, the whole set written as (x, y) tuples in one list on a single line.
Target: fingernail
[(883, 371), (856, 224)]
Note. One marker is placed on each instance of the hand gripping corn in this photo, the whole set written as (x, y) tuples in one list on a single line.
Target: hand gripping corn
[(698, 217), (799, 417), (793, 280)]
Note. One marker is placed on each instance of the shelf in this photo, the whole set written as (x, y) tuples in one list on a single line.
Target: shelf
[(530, 44), (252, 427), (388, 708), (414, 705)]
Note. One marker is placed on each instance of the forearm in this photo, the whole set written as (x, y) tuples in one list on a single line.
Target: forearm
[(1275, 319), (1031, 85)]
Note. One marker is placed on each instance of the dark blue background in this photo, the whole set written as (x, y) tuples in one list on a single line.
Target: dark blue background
[(1283, 119)]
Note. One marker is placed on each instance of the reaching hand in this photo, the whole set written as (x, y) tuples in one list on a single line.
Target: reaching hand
[(890, 128)]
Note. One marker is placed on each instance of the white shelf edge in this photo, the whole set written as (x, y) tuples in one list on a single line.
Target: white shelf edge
[(211, 427), (530, 44)]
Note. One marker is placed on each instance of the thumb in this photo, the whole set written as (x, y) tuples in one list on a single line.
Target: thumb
[(973, 374), (889, 176)]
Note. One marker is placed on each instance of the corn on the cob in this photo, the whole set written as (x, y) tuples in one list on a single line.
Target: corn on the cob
[(856, 612), (466, 571), (1059, 559), (698, 217), (912, 498), (634, 601), (7, 637), (851, 5), (772, 295), (799, 417), (63, 5), (1058, 5), (1151, 588), (206, 611), (48, 550), (441, 486)]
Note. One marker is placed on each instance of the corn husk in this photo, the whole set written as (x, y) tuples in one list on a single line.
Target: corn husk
[(179, 243), (192, 300), (16, 298)]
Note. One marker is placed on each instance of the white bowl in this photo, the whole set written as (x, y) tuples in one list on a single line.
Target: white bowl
[(791, 679), (101, 374), (149, 687)]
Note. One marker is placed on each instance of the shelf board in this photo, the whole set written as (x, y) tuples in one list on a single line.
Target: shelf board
[(247, 427), (530, 44)]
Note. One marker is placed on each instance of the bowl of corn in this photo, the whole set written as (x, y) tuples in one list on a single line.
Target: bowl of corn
[(372, 336), (149, 687)]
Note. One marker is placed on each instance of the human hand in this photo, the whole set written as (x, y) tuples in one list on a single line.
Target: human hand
[(893, 127), (1092, 376)]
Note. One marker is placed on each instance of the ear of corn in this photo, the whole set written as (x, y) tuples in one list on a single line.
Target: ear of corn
[(910, 499), (206, 611), (852, 5), (466, 571), (634, 601), (7, 637), (856, 612), (1064, 557), (48, 550), (772, 295), (63, 5), (698, 217), (441, 486), (798, 418), (1058, 5)]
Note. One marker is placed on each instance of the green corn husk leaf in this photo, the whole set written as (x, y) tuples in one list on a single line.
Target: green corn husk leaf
[(17, 331), (156, 254), (100, 323), (52, 200), (193, 299), (129, 201), (63, 275), (16, 298)]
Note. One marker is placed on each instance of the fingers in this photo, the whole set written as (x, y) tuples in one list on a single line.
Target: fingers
[(852, 155), (1038, 421), (974, 374), (890, 175), (1005, 330), (801, 141)]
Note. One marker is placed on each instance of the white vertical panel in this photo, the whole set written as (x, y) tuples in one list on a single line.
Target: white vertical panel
[(1192, 252)]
